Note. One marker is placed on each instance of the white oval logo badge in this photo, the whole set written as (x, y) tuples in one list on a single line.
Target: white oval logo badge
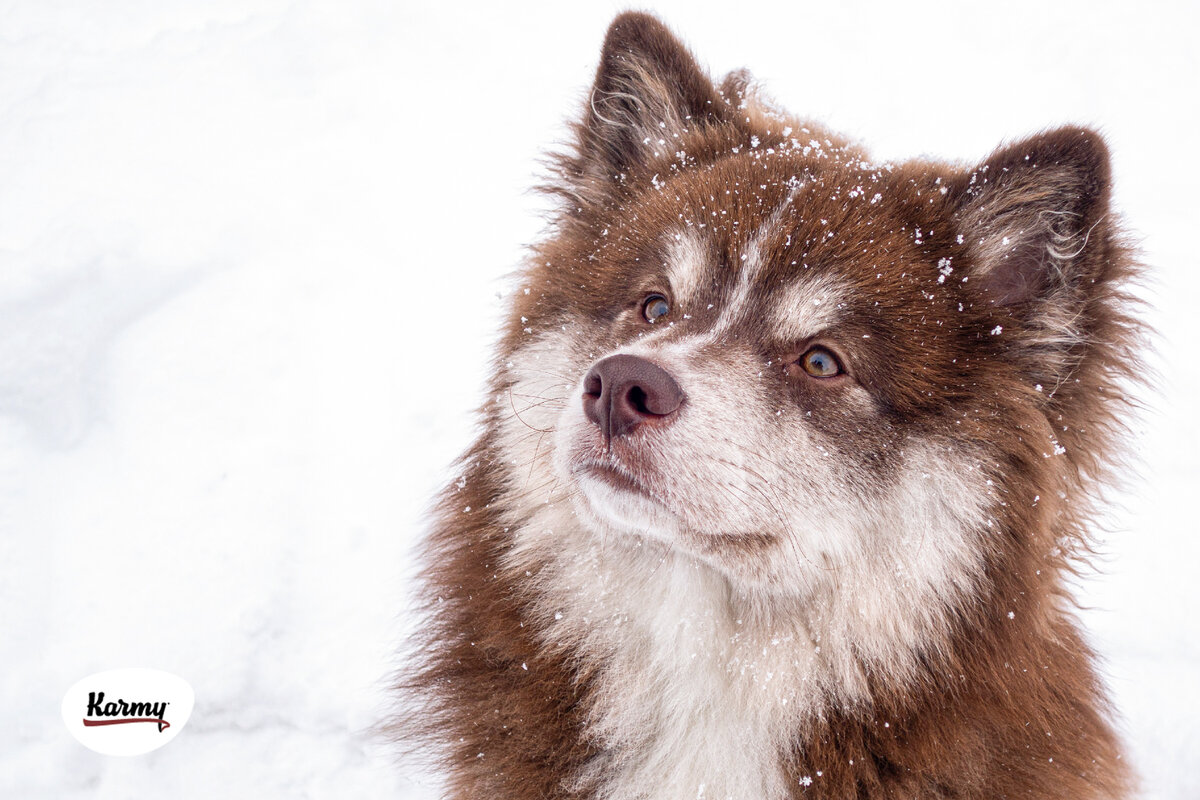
[(127, 712)]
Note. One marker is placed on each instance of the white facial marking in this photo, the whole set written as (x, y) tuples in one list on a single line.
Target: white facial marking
[(688, 267), (806, 308)]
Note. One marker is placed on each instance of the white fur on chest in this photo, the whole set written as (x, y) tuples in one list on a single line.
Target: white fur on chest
[(697, 697)]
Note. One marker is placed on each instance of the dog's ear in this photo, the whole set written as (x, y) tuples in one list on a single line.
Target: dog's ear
[(1048, 257), (1029, 214), (648, 92)]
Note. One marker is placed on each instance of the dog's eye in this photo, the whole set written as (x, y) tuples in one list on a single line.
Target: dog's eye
[(820, 363), (655, 307)]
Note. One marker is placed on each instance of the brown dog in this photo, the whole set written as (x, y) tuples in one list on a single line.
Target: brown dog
[(785, 458)]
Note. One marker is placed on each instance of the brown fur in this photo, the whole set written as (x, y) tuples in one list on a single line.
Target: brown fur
[(1006, 706)]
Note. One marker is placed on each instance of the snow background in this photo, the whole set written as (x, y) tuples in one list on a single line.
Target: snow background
[(250, 257)]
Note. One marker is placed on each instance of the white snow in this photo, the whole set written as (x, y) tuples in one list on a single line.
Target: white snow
[(249, 260)]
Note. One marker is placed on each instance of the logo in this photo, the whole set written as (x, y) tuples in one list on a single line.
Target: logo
[(127, 712), (124, 712)]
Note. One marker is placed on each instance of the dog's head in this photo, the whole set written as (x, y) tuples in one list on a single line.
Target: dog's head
[(750, 342)]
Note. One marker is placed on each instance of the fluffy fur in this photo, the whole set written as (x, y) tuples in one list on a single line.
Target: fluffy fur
[(793, 586)]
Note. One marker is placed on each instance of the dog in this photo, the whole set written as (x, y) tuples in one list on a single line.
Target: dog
[(786, 457)]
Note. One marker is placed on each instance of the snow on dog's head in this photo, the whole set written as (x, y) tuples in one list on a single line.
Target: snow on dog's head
[(752, 343)]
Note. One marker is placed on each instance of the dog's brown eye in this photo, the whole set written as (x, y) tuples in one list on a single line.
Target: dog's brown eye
[(820, 363), (655, 307)]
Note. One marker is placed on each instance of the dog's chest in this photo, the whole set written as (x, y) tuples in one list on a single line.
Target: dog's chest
[(693, 695)]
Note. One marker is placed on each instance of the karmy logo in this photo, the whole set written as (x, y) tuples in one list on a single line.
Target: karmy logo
[(127, 712)]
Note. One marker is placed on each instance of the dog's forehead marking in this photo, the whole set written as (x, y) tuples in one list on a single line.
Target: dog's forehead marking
[(798, 310), (795, 311), (752, 263)]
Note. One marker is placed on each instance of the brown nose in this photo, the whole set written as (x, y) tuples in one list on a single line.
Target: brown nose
[(623, 391)]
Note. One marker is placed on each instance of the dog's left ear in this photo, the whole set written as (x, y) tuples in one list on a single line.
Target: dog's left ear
[(1033, 216), (648, 92)]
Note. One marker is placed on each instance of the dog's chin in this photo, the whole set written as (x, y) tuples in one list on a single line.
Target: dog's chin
[(619, 513), (610, 501)]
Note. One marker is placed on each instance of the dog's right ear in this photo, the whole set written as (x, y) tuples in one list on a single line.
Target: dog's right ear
[(648, 92)]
